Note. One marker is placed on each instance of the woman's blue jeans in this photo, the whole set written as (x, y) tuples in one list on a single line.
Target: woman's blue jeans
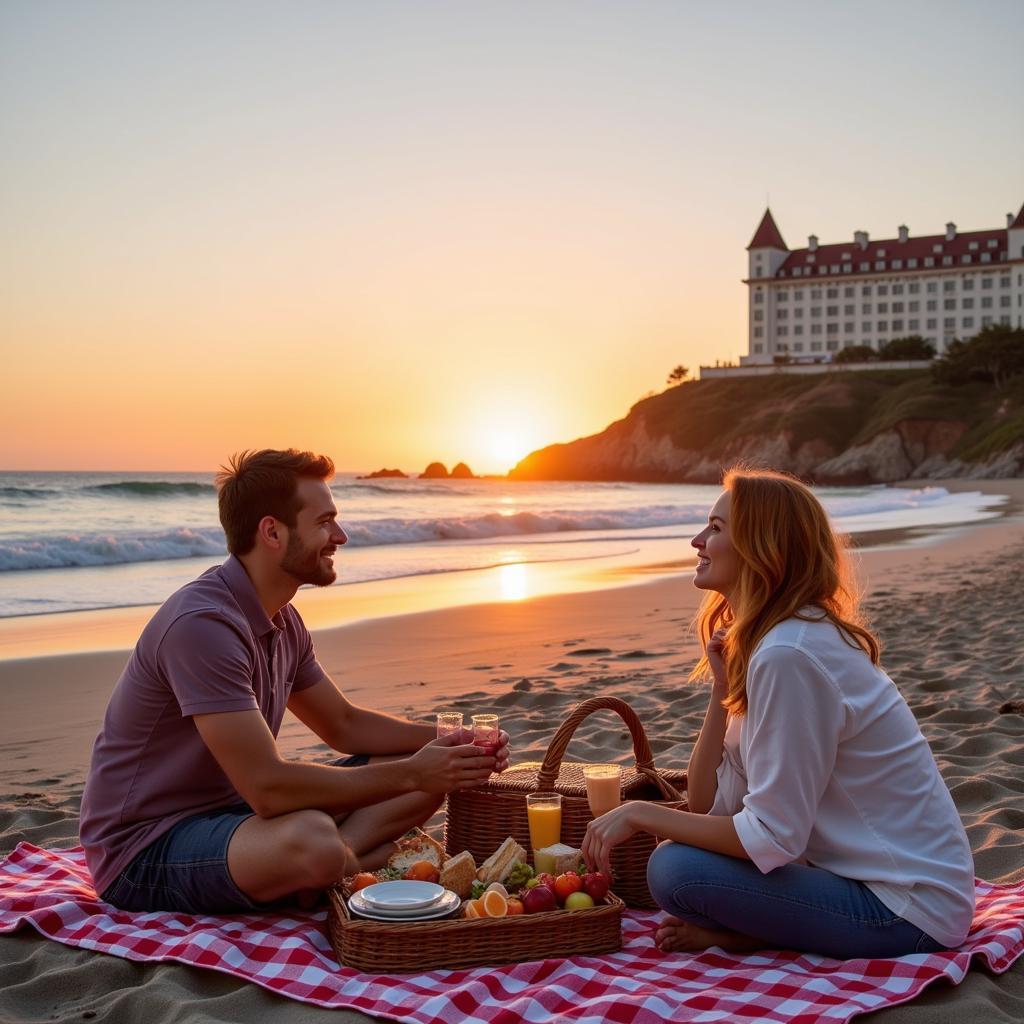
[(793, 907)]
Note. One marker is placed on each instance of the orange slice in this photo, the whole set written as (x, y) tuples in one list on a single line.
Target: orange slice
[(472, 909), (493, 904)]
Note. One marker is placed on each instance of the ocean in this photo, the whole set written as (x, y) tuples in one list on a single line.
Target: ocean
[(75, 541)]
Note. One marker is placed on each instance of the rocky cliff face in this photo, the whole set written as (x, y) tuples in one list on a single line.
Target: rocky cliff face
[(816, 434)]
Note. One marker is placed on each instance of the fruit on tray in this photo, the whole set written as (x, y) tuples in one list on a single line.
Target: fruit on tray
[(595, 885), (539, 899), (566, 884), (362, 880), (422, 871), (579, 901)]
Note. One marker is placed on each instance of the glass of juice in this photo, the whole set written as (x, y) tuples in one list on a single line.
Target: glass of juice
[(449, 722), (486, 733), (604, 787), (544, 813)]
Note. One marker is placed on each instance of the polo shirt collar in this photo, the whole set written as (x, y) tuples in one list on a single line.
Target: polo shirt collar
[(237, 579)]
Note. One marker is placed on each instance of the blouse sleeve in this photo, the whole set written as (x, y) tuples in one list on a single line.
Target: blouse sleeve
[(794, 719)]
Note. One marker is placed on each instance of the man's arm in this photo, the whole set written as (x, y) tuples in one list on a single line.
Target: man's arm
[(350, 729), (246, 750)]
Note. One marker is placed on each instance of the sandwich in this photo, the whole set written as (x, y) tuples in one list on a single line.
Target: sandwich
[(458, 874), (416, 846), (501, 862)]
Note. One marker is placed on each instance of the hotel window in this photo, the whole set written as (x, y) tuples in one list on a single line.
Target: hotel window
[(966, 258), (758, 314), (810, 258), (879, 264), (937, 248), (949, 304), (912, 263), (968, 321), (967, 284), (897, 289), (949, 285), (986, 302), (832, 311), (913, 288), (988, 281), (1005, 320), (931, 305), (783, 332), (866, 308), (914, 325), (849, 291), (832, 293), (758, 273), (832, 346), (815, 310), (798, 312), (866, 290), (949, 323), (897, 325), (865, 328), (914, 306), (932, 324), (986, 257), (849, 309), (798, 346), (759, 296), (815, 294), (967, 303), (933, 287), (848, 328), (1004, 282), (880, 252), (835, 268), (815, 328), (973, 246), (1004, 300), (986, 321), (783, 296), (883, 289), (881, 341), (929, 261), (832, 329), (883, 325), (822, 269), (759, 347), (798, 294), (782, 347), (782, 314), (993, 243), (897, 264), (883, 307), (815, 346), (897, 307), (758, 332), (865, 266), (947, 261)]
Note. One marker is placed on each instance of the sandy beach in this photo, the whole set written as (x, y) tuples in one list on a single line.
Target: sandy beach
[(947, 608)]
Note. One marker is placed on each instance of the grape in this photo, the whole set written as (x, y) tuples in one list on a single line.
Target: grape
[(518, 876)]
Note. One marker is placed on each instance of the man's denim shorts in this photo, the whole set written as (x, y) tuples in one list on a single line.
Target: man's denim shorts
[(186, 869)]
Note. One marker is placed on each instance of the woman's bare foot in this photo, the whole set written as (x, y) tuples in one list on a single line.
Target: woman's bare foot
[(681, 936)]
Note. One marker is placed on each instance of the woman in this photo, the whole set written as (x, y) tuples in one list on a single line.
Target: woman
[(818, 819)]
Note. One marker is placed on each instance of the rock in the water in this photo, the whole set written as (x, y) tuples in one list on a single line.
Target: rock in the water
[(435, 471), (385, 474), (462, 472)]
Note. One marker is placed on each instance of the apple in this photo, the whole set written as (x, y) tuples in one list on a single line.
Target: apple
[(595, 884), (546, 878), (579, 901), (539, 899), (566, 885)]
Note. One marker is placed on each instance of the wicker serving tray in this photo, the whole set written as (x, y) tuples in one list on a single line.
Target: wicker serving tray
[(377, 947)]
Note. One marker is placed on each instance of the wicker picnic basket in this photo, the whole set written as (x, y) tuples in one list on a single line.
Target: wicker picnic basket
[(376, 947), (479, 819)]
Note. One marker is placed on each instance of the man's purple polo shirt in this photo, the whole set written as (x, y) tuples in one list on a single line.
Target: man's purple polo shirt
[(211, 647)]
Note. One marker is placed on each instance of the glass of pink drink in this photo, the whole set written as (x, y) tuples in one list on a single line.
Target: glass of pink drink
[(449, 722), (604, 787), (486, 734)]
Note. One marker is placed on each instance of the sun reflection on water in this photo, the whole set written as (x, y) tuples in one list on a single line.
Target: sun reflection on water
[(513, 581)]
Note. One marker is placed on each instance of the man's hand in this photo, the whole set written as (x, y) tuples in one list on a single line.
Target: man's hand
[(446, 764)]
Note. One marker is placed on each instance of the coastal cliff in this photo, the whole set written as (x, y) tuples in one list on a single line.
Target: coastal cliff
[(835, 428)]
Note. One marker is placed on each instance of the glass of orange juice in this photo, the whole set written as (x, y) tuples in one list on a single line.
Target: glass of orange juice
[(544, 813), (604, 787)]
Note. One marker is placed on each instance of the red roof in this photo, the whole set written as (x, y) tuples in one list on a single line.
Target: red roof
[(965, 250), (767, 235), (1019, 222)]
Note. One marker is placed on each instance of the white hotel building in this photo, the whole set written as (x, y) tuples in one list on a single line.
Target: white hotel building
[(809, 303)]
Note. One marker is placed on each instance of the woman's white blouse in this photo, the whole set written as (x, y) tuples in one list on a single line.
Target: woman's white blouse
[(829, 767)]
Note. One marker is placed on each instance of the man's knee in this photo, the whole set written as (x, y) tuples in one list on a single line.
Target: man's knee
[(316, 851)]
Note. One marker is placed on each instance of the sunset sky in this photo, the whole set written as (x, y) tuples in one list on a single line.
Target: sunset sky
[(399, 232)]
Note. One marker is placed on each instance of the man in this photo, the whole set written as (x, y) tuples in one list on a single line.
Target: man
[(189, 806)]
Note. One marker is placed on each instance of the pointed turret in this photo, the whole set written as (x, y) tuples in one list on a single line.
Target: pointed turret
[(1015, 241), (767, 235), (1019, 222)]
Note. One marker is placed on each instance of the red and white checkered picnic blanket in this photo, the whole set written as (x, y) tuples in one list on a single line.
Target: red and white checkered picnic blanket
[(291, 955)]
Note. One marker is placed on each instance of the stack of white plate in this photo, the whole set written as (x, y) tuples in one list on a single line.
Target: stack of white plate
[(403, 901)]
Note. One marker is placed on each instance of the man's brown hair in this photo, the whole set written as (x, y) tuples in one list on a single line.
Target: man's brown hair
[(263, 483)]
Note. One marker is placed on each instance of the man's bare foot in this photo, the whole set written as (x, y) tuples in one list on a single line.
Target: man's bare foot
[(681, 936)]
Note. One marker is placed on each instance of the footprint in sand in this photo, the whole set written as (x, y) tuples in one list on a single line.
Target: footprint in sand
[(588, 652), (562, 666)]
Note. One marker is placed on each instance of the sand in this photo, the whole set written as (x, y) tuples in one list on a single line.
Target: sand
[(948, 609)]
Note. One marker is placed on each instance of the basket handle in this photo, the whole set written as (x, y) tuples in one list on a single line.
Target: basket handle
[(641, 748)]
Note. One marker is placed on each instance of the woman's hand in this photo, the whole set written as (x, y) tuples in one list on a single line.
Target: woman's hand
[(606, 832), (717, 662)]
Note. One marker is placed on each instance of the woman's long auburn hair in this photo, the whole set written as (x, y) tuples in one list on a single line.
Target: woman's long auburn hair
[(789, 558)]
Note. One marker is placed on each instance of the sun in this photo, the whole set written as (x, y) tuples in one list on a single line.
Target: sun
[(506, 447)]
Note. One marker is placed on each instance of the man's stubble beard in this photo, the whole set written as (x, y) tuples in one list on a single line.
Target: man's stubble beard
[(303, 564)]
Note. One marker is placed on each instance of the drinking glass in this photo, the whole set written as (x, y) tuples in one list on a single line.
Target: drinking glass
[(544, 813), (486, 733), (604, 787), (449, 722)]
